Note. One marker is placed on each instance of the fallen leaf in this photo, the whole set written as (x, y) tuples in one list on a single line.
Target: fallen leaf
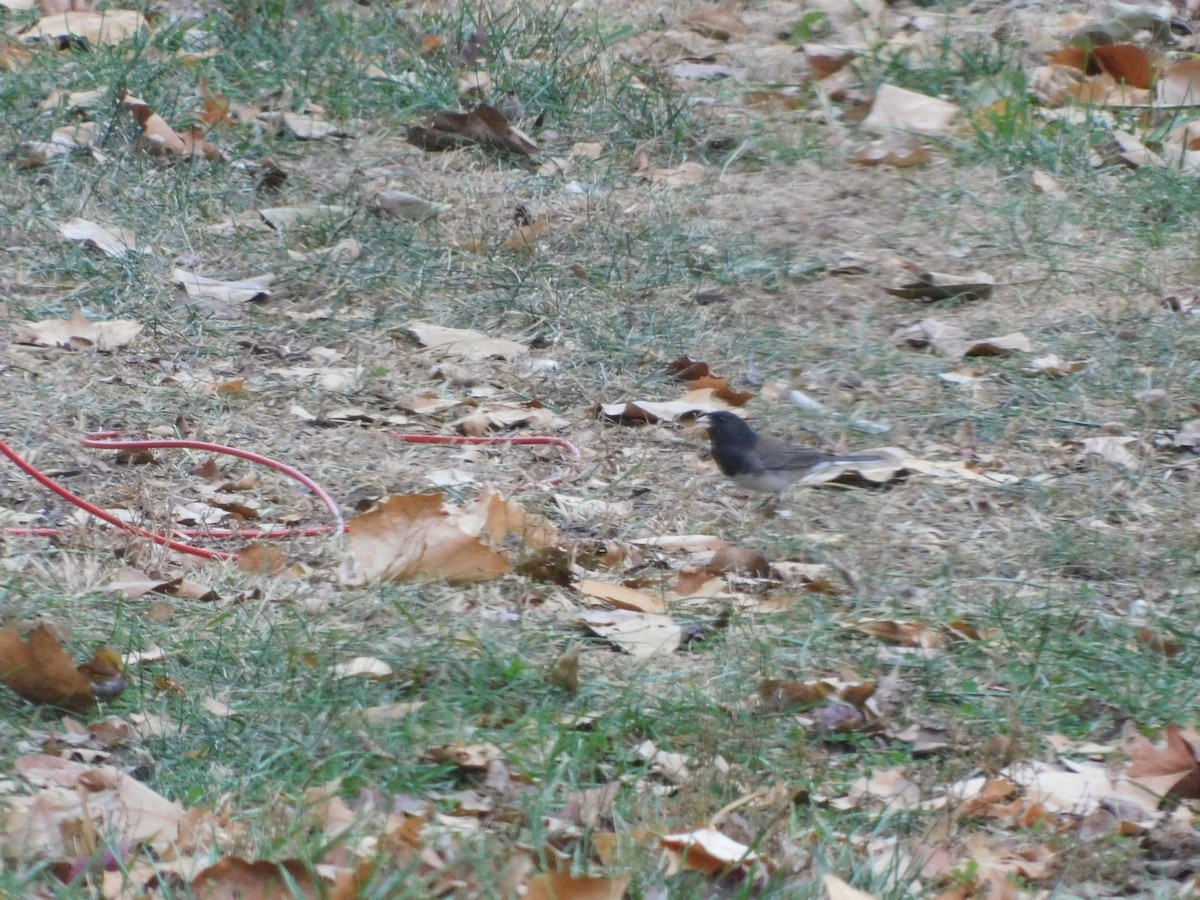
[(114, 242), (904, 110), (621, 597), (897, 149), (74, 798), (302, 127), (160, 139), (261, 559), (1054, 365), (836, 889), (410, 207), (909, 634), (459, 342), (39, 670), (241, 291), (562, 885), (62, 141), (79, 332), (405, 538), (943, 286), (706, 850), (110, 27), (1044, 183), (234, 877), (1173, 768), (637, 412), (639, 634), (284, 217), (1179, 84), (362, 666), (565, 671), (525, 237), (1112, 449), (482, 125), (714, 21)]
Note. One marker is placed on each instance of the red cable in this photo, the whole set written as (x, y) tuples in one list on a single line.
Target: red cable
[(104, 440)]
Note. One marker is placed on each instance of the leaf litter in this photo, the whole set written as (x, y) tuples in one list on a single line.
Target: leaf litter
[(616, 491)]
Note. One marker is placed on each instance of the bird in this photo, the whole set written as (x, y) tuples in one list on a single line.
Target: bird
[(766, 464)]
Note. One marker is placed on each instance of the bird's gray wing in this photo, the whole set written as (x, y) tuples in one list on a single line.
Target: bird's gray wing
[(778, 455)]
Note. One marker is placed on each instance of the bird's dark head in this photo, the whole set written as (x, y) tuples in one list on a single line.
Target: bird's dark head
[(725, 429)]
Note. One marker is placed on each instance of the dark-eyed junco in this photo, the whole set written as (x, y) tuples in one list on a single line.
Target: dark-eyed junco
[(760, 463)]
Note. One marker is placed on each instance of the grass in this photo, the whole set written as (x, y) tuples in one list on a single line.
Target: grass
[(1060, 570)]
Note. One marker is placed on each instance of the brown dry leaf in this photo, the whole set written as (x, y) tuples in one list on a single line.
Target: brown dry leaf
[(1152, 640), (1179, 84), (561, 885), (406, 538), (482, 125), (825, 60), (1172, 769), (721, 390), (261, 559), (234, 878), (904, 110), (160, 139), (79, 332), (943, 286), (496, 518), (783, 98), (621, 597), (1125, 63), (908, 634), (464, 344), (898, 149), (1056, 366), (62, 142), (950, 340), (525, 237), (836, 889), (705, 850), (96, 28), (688, 173), (1016, 342), (687, 369), (465, 756), (715, 21), (241, 291), (639, 634), (39, 670), (114, 242), (1112, 449), (637, 412), (565, 671)]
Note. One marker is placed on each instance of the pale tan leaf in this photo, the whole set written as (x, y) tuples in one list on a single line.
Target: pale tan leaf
[(111, 26), (114, 242), (79, 331), (240, 291), (904, 110), (638, 634), (460, 342), (621, 597)]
